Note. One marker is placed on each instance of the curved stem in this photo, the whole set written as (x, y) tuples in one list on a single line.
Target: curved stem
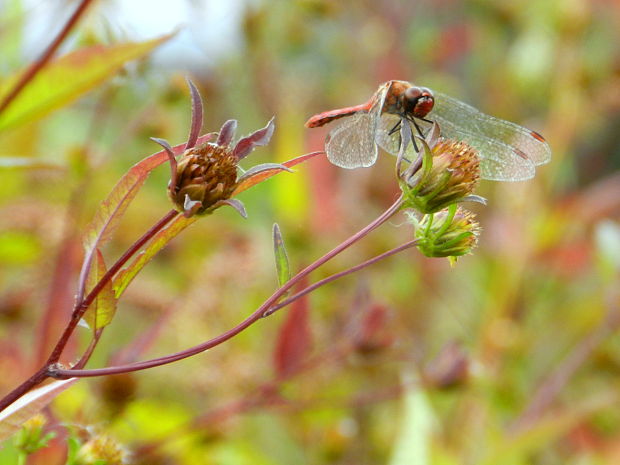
[(81, 308), (250, 320), (335, 276), (44, 372)]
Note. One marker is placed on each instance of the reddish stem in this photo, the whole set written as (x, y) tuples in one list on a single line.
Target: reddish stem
[(335, 276), (250, 320), (44, 372), (38, 65)]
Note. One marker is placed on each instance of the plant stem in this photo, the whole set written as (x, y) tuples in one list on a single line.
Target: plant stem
[(40, 63), (329, 279), (250, 320), (80, 308)]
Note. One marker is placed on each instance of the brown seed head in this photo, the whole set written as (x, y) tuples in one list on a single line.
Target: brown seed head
[(205, 174)]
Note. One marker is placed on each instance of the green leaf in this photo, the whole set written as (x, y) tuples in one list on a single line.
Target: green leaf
[(414, 440), (28, 405), (67, 78), (282, 265), (101, 311), (159, 241)]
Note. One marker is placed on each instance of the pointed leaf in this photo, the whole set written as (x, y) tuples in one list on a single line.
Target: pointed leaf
[(236, 204), (256, 139), (101, 311), (264, 175), (29, 405), (197, 115), (294, 340), (67, 78), (282, 265), (126, 275), (263, 167), (227, 132)]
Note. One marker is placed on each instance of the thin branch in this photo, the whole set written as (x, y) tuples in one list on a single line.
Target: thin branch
[(335, 276), (83, 306), (249, 321), (40, 63)]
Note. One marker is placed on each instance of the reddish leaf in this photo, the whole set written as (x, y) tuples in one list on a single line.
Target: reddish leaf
[(126, 275), (28, 405), (259, 138), (294, 339), (264, 175), (101, 311)]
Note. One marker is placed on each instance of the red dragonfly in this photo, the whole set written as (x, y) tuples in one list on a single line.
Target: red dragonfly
[(508, 152)]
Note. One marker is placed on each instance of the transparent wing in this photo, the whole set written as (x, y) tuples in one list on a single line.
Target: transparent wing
[(387, 135), (476, 124), (351, 144), (498, 161)]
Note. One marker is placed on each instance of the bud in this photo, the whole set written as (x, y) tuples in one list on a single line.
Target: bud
[(101, 449), (205, 177), (449, 172), (448, 233), (206, 174), (31, 438)]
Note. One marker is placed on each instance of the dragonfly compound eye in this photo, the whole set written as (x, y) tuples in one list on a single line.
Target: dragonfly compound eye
[(418, 101)]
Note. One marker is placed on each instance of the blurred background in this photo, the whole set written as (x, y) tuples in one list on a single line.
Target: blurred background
[(511, 356)]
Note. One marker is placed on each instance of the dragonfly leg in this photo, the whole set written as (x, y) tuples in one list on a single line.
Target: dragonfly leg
[(395, 128)]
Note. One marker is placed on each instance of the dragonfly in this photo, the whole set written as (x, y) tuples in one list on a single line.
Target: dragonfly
[(507, 151)]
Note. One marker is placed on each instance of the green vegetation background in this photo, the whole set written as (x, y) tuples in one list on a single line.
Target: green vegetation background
[(534, 310)]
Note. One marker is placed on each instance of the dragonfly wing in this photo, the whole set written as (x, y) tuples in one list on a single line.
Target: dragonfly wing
[(526, 143), (498, 161), (351, 144), (387, 135)]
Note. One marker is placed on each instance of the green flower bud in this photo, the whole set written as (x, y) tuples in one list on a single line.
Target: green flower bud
[(449, 172), (31, 438), (448, 233)]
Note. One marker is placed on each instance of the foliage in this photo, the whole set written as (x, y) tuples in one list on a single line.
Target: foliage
[(511, 356)]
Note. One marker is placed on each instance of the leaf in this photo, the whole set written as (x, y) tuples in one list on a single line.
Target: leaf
[(29, 405), (282, 265), (294, 339), (264, 175), (257, 139), (67, 78), (101, 311), (414, 440), (126, 275)]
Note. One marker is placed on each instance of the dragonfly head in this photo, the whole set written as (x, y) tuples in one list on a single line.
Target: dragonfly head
[(418, 101)]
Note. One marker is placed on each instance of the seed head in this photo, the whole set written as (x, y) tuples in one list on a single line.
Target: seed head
[(206, 174)]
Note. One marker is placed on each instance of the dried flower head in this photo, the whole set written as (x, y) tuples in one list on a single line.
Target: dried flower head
[(447, 172), (449, 233), (205, 176)]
